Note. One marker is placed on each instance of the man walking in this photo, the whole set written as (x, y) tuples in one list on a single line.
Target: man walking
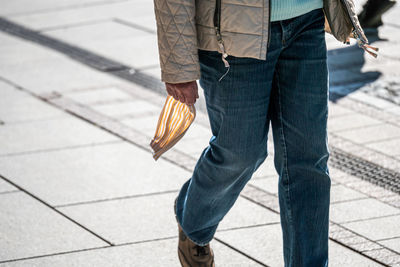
[(258, 62)]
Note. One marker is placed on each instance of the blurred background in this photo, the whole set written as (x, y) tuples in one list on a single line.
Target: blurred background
[(80, 96)]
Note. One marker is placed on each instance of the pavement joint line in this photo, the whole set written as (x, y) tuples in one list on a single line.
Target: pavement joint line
[(389, 238), (81, 55), (124, 74), (369, 195), (57, 117), (9, 192), (253, 194), (349, 200), (248, 227), (92, 88), (357, 127), (114, 199), (135, 26), (50, 10), (39, 151), (55, 98), (88, 58), (383, 140), (370, 218), (71, 25), (369, 110), (52, 254), (91, 249), (358, 252), (240, 252), (361, 147), (108, 102), (148, 67), (122, 131), (55, 210), (175, 163), (116, 128)]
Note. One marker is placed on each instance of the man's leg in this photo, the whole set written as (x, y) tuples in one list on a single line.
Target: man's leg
[(237, 108), (298, 111)]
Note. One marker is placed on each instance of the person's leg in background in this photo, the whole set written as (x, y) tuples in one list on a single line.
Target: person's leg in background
[(371, 14), (237, 108), (298, 112)]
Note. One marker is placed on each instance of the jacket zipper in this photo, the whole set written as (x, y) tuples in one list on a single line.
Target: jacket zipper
[(217, 26), (362, 43)]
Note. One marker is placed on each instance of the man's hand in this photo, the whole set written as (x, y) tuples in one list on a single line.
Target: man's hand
[(184, 92)]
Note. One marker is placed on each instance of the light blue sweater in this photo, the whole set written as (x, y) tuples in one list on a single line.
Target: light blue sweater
[(286, 9)]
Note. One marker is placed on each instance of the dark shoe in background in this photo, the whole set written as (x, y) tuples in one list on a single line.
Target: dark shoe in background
[(191, 254), (371, 15)]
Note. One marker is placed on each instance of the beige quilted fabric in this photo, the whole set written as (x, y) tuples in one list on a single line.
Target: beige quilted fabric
[(183, 26), (177, 40)]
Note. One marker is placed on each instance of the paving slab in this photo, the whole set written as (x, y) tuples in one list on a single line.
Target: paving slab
[(92, 173), (29, 228), (39, 74), (377, 228), (103, 38), (264, 243), (352, 121), (269, 184), (134, 108), (341, 193), (6, 187), (154, 253), (193, 147), (98, 95), (371, 134), (57, 133), (266, 169), (72, 16), (198, 131), (336, 110), (14, 51), (371, 99), (151, 217), (68, 75), (25, 6), (393, 244), (146, 124), (18, 106), (389, 147), (145, 21), (360, 210), (105, 30)]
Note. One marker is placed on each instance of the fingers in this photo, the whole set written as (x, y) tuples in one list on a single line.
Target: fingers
[(181, 96), (171, 91), (184, 92)]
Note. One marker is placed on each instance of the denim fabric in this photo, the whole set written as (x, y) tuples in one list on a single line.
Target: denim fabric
[(290, 90)]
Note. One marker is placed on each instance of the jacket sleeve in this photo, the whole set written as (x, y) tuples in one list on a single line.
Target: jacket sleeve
[(177, 40)]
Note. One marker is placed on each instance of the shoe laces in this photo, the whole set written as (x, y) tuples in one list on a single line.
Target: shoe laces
[(201, 250)]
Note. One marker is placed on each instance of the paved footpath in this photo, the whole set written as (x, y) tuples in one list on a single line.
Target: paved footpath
[(79, 101)]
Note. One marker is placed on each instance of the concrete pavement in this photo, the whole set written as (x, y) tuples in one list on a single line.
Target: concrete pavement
[(79, 101)]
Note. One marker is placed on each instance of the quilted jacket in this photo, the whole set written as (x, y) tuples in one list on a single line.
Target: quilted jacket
[(232, 27)]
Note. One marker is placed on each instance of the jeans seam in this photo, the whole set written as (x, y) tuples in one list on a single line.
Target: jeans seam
[(286, 169)]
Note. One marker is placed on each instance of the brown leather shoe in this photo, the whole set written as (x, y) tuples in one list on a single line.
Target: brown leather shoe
[(191, 254)]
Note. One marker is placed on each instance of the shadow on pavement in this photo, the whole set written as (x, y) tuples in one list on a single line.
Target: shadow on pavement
[(345, 64)]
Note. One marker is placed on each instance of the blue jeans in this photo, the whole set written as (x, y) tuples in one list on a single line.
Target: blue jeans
[(290, 90)]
